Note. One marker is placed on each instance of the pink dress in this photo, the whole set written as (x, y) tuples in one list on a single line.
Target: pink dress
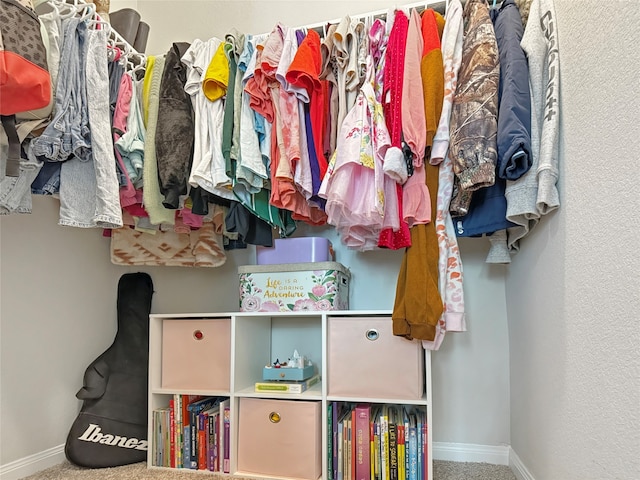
[(355, 186)]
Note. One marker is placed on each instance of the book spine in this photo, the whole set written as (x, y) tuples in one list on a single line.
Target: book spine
[(210, 441), (401, 463), (393, 451), (352, 446), (384, 447), (330, 441), (280, 387), (178, 415), (340, 451), (425, 451), (377, 450), (413, 454), (347, 448), (406, 449), (216, 447), (335, 439), (419, 448), (172, 433), (193, 449), (372, 450), (186, 447), (362, 427), (202, 442), (227, 434)]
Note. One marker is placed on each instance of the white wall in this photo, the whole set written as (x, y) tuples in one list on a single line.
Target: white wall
[(574, 291), (58, 305)]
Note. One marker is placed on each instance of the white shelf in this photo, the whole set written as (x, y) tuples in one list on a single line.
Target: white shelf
[(256, 339)]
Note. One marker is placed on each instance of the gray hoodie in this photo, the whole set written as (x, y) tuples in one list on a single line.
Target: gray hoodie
[(535, 193)]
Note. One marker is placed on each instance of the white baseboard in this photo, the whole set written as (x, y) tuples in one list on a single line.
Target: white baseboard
[(453, 452), (469, 452), (517, 467), (32, 464)]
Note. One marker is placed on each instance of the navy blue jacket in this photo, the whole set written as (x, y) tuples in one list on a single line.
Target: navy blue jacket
[(488, 208), (514, 97)]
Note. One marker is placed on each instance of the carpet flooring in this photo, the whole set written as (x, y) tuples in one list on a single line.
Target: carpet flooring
[(138, 471)]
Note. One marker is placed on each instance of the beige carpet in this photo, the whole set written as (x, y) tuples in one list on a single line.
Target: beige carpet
[(138, 471)]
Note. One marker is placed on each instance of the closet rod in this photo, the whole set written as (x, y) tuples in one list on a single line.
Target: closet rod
[(376, 13), (114, 36)]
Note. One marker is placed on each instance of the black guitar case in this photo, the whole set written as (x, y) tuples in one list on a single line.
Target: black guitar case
[(111, 428)]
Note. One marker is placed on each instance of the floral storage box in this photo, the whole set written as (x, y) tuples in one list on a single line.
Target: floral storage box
[(294, 287)]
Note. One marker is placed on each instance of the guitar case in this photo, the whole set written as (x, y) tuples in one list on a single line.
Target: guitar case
[(111, 428)]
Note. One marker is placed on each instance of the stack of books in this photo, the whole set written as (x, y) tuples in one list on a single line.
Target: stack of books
[(287, 386)]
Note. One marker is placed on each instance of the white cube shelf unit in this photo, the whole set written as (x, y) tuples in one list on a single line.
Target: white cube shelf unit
[(223, 354)]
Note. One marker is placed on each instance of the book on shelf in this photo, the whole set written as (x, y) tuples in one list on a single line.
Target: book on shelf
[(172, 432), (330, 441), (377, 460), (204, 437), (185, 440), (419, 449), (384, 442), (413, 447), (195, 408), (225, 413), (362, 448), (393, 442), (286, 386)]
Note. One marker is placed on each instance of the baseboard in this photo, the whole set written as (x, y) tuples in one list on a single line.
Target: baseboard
[(469, 452), (453, 452), (32, 464), (517, 467)]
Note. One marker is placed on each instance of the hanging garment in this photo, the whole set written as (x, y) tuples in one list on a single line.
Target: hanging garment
[(152, 197), (488, 208), (418, 305), (415, 196), (355, 186), (451, 57), (15, 192), (174, 130), (205, 83), (285, 138), (304, 73), (473, 146), (130, 145), (514, 115), (392, 107), (535, 194), (89, 190), (120, 119), (329, 73)]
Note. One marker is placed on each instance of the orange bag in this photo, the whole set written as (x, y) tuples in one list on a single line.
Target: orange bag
[(25, 83)]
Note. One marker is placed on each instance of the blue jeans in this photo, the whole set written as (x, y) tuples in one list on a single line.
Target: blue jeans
[(68, 133)]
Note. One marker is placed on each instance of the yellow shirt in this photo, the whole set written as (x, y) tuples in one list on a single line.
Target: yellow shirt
[(216, 79), (146, 86)]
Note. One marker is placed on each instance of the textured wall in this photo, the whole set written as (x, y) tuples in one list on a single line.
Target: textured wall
[(573, 293)]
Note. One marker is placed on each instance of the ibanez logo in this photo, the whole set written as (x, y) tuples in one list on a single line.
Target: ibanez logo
[(94, 434)]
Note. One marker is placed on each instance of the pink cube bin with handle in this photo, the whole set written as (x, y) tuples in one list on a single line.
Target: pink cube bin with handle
[(296, 250)]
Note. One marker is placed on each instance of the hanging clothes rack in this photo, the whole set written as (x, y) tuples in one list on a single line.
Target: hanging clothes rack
[(440, 5), (88, 10)]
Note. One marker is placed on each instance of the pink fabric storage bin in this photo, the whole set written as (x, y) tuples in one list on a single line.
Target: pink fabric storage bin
[(280, 438), (196, 354), (365, 359), (296, 250)]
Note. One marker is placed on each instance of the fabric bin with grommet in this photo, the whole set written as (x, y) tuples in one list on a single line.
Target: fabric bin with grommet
[(365, 359), (196, 354), (280, 438)]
